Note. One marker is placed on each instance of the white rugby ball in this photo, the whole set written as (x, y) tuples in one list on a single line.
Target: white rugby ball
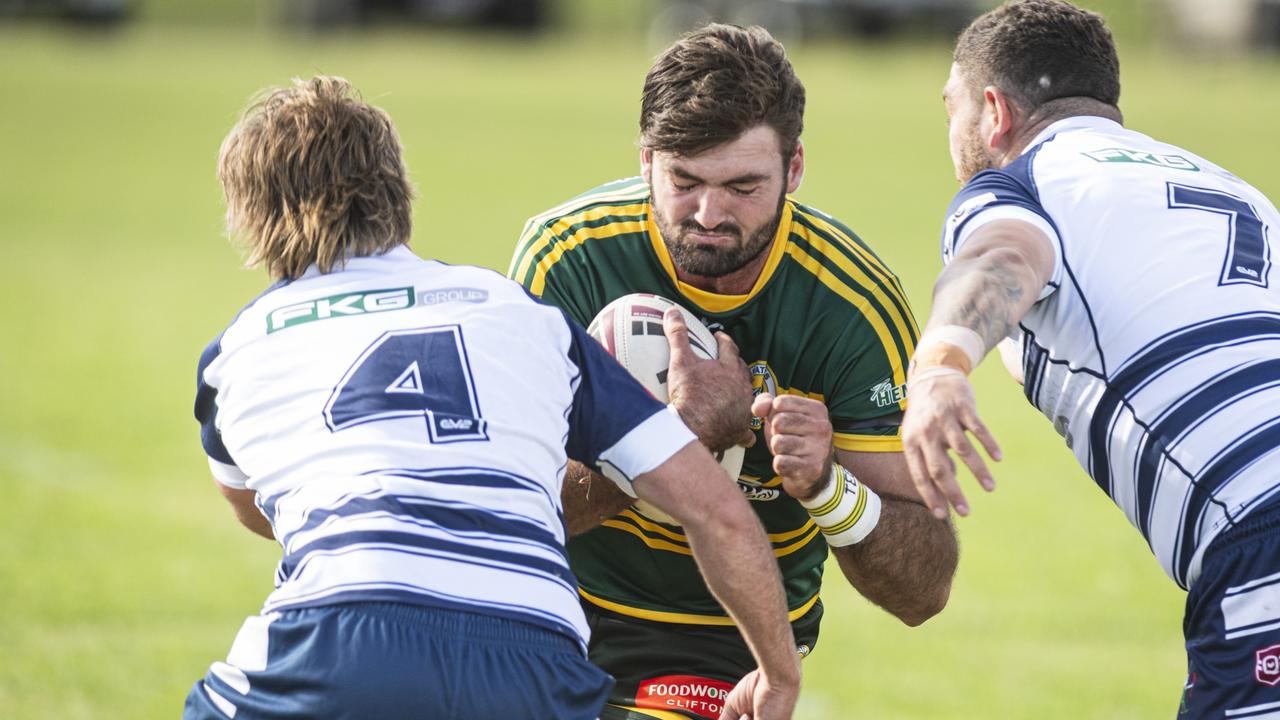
[(630, 328)]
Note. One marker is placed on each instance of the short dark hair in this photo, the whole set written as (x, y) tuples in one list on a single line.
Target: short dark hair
[(313, 175), (1037, 51), (716, 83)]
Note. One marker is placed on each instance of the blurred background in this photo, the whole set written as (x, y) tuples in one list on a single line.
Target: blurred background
[(123, 574)]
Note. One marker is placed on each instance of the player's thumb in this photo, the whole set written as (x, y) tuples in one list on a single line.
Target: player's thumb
[(677, 332), (762, 405)]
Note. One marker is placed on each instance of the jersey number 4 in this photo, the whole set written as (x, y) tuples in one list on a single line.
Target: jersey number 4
[(1248, 255), (411, 373)]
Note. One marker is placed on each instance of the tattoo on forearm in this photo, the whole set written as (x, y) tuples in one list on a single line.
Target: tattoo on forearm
[(992, 297)]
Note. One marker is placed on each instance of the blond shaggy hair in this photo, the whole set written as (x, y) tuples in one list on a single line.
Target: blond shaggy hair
[(313, 175)]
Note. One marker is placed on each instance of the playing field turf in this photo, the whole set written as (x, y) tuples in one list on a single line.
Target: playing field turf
[(122, 573)]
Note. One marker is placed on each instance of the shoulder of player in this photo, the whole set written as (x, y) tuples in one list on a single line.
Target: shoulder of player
[(615, 209), (621, 197), (816, 234), (848, 273)]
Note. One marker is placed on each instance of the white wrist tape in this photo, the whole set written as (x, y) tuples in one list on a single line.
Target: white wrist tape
[(846, 510), (934, 371), (966, 340)]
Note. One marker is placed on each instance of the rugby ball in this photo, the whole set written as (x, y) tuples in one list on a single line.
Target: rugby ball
[(630, 328)]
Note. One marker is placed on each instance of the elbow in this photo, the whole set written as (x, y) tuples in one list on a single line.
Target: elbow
[(924, 608)]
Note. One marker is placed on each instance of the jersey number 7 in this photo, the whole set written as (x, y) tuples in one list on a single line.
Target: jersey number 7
[(422, 372), (1248, 255)]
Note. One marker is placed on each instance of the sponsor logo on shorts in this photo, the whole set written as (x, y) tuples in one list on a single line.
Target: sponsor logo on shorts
[(1267, 665), (701, 696)]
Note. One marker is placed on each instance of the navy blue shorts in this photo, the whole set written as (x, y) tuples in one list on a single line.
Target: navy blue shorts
[(390, 660), (1232, 625)]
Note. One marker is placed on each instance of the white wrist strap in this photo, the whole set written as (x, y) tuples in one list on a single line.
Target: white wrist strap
[(846, 510), (949, 345)]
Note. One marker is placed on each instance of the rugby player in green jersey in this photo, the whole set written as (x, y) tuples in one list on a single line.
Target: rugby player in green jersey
[(825, 332)]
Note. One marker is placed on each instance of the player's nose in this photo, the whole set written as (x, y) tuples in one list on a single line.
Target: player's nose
[(710, 212)]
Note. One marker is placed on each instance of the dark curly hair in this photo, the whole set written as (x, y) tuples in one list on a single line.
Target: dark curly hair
[(716, 83), (1037, 51)]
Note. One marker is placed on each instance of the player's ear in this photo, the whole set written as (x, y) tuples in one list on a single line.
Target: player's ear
[(999, 113), (646, 165), (795, 168)]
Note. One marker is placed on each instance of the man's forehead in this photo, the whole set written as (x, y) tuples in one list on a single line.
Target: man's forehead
[(754, 151)]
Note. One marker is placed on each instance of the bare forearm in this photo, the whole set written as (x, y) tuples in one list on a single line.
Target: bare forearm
[(993, 280), (247, 512), (738, 565), (589, 499), (988, 294), (906, 564)]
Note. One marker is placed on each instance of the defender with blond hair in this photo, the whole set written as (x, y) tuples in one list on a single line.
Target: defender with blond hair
[(826, 331), (366, 413)]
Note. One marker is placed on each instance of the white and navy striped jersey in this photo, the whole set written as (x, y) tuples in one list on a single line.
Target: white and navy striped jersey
[(405, 426), (1155, 348)]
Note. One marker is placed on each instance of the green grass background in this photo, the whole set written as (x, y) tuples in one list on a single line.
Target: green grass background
[(122, 573)]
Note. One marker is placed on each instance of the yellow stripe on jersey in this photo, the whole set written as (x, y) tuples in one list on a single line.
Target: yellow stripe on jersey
[(653, 527), (868, 443), (904, 325), (874, 319), (879, 269), (626, 195), (654, 543), (650, 713), (713, 302), (797, 545), (561, 247), (682, 618), (669, 540)]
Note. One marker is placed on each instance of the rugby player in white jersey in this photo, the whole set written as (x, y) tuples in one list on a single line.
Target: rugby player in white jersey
[(402, 427), (1134, 278)]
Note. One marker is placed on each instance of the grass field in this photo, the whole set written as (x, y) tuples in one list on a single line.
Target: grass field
[(122, 574)]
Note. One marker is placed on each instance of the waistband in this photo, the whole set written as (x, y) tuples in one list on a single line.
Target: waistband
[(469, 626), (1261, 521)]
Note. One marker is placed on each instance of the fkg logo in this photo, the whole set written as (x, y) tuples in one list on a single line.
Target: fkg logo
[(345, 305), (1267, 667)]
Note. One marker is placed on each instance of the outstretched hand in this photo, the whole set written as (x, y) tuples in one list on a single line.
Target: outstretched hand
[(713, 397), (940, 411)]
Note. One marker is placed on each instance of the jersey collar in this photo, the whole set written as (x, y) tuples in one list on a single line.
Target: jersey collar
[(714, 302), (395, 255), (1079, 122)]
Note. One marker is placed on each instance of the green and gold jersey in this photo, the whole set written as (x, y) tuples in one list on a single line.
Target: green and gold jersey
[(826, 319)]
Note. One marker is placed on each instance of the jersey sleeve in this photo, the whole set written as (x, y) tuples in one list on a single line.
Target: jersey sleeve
[(221, 464), (1005, 194), (867, 370), (614, 419), (551, 280)]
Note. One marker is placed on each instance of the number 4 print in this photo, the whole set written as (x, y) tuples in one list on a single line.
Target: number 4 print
[(1248, 255), (422, 372)]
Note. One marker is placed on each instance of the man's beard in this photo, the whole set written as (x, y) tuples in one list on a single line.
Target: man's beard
[(973, 158), (714, 262)]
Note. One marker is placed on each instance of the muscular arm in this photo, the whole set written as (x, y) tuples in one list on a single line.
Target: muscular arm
[(246, 511), (990, 284), (907, 562), (713, 398), (589, 499), (994, 279), (735, 559)]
